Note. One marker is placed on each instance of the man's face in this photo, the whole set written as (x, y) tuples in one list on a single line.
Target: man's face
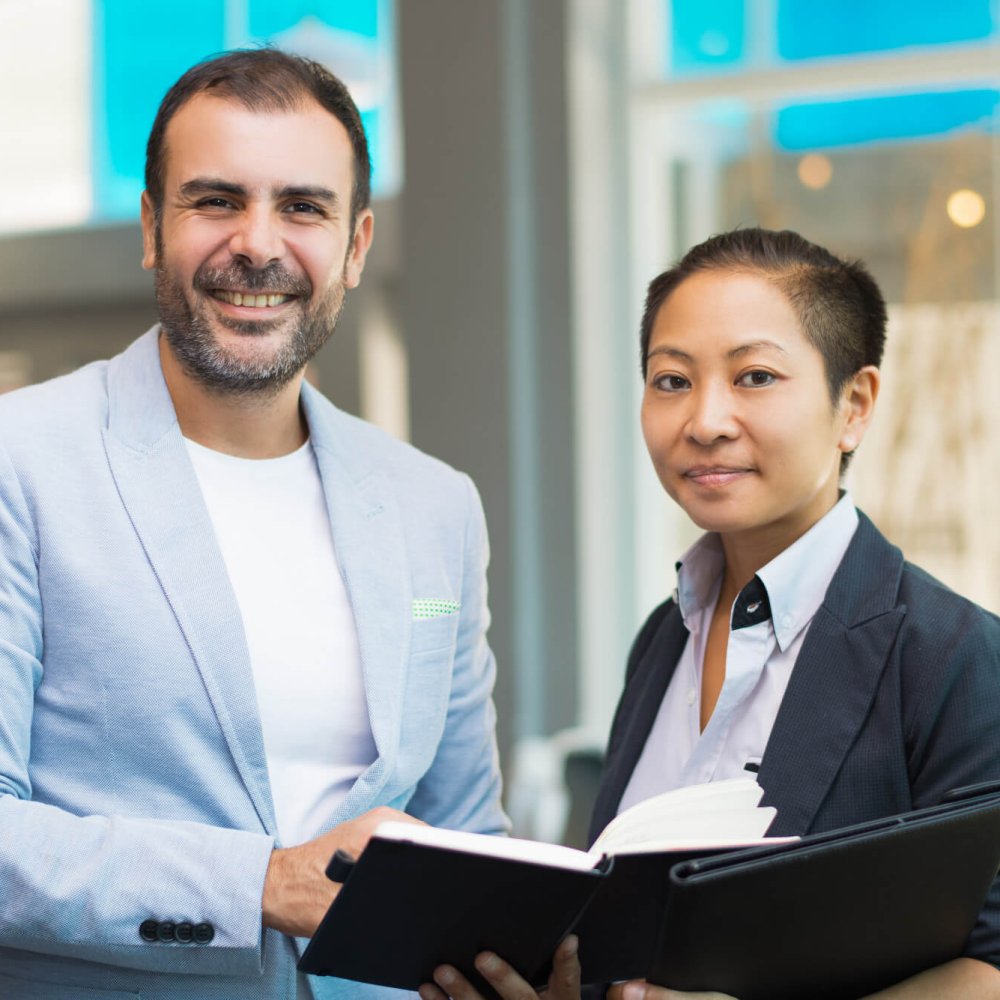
[(253, 250)]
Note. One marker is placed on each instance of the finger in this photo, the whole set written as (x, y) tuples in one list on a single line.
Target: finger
[(502, 977), (454, 984), (636, 990), (428, 991), (564, 982), (639, 990)]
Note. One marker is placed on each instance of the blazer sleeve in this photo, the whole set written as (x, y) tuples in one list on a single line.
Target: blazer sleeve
[(461, 788), (81, 886), (951, 687)]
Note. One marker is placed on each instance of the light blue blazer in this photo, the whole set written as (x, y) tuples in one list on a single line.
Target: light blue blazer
[(133, 781)]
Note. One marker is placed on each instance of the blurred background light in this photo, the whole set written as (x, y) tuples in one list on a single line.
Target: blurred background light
[(815, 170), (966, 208)]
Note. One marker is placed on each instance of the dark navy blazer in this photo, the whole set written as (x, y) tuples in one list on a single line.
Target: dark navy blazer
[(893, 701)]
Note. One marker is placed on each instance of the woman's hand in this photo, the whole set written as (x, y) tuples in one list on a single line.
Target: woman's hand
[(564, 982), (639, 990)]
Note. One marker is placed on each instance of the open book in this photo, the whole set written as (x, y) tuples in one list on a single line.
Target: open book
[(419, 896)]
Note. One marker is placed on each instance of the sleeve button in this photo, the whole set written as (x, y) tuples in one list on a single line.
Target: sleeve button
[(165, 931), (184, 933), (148, 930), (203, 933)]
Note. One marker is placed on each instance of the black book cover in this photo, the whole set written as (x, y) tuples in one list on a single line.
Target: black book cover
[(406, 908), (837, 915)]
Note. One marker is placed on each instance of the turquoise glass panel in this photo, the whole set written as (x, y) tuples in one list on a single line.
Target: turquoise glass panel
[(711, 37), (843, 123), (270, 17), (705, 36), (808, 29), (137, 57)]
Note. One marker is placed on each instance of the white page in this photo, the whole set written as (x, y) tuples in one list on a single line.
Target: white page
[(486, 844)]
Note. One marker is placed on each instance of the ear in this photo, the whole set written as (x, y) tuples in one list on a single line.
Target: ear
[(148, 218), (354, 264), (857, 404)]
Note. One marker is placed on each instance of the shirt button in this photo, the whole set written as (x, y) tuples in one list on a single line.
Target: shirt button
[(184, 933), (148, 930), (165, 931), (692, 694)]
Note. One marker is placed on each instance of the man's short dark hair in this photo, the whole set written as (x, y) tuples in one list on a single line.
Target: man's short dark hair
[(837, 302), (264, 80)]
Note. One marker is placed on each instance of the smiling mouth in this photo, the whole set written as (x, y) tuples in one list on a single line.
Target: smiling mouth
[(253, 300)]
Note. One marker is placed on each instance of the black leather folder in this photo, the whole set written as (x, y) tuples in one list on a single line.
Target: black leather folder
[(837, 915)]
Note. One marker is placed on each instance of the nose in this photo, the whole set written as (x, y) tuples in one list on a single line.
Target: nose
[(712, 414), (257, 239)]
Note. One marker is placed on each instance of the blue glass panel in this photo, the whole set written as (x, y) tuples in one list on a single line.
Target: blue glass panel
[(705, 35), (137, 56), (269, 17), (845, 123), (809, 28)]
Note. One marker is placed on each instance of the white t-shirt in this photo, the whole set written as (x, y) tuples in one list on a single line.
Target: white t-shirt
[(273, 529)]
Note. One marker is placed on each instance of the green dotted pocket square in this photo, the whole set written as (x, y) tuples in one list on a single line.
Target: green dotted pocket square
[(434, 609)]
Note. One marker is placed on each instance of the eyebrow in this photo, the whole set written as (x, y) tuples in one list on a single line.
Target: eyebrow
[(210, 185), (736, 352)]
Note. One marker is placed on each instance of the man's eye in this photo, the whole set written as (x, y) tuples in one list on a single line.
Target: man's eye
[(755, 379), (216, 201), (304, 208)]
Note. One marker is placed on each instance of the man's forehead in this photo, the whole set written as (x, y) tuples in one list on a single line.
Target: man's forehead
[(212, 136)]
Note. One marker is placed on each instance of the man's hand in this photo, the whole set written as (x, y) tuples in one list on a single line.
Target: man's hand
[(638, 990), (297, 892), (564, 982)]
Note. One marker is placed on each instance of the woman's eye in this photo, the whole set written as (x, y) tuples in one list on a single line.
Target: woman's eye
[(671, 383), (755, 379)]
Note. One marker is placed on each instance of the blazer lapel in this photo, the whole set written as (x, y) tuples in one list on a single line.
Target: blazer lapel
[(640, 703), (160, 491), (834, 681), (371, 549)]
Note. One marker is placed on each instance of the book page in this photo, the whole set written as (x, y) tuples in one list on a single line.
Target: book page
[(691, 813), (489, 845), (720, 828)]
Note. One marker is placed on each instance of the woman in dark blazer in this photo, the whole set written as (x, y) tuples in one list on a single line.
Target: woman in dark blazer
[(800, 645)]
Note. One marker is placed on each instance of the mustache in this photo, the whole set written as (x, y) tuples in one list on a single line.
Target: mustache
[(236, 277)]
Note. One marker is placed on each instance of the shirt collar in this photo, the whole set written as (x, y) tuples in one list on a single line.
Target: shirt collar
[(796, 580)]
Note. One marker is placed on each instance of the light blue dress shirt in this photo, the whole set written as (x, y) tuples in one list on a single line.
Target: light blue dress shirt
[(760, 656)]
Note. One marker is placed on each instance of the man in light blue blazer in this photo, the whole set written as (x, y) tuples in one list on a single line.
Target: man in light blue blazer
[(238, 627)]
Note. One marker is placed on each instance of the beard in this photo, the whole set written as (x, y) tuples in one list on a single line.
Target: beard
[(258, 369)]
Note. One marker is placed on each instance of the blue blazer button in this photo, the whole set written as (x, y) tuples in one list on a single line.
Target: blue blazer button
[(203, 933)]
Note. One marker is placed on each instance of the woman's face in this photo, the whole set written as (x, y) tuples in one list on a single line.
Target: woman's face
[(737, 414)]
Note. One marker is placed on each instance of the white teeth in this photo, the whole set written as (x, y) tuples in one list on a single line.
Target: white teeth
[(251, 300)]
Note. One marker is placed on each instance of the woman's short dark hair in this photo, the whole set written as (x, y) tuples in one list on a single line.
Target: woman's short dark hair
[(837, 302), (262, 80)]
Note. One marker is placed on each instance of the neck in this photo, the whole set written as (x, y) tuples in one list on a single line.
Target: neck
[(748, 552), (247, 426)]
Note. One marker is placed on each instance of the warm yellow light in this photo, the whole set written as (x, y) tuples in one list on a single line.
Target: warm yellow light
[(966, 208), (815, 170)]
